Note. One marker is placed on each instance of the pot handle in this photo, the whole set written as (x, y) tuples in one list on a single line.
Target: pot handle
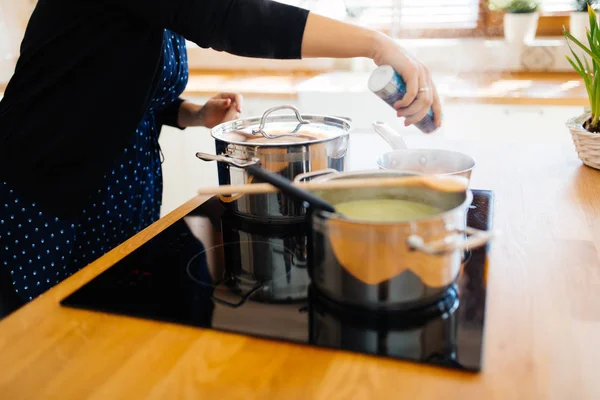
[(263, 120), (476, 238), (393, 138), (314, 174), (236, 162)]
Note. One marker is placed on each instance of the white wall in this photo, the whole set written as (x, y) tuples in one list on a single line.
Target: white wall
[(14, 15)]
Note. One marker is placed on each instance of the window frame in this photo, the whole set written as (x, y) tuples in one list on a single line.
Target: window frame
[(490, 24), (479, 30)]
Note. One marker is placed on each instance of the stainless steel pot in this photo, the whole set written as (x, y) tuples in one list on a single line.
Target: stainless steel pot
[(428, 162), (285, 144), (421, 161), (396, 265)]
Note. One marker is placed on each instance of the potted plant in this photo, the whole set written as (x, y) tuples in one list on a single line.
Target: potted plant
[(585, 129), (520, 18), (579, 20)]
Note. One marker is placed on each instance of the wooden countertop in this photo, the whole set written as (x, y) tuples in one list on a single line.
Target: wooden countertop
[(561, 89), (553, 89), (542, 336), (251, 84)]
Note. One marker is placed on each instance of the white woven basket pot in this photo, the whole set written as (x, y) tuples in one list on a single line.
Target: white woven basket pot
[(587, 144)]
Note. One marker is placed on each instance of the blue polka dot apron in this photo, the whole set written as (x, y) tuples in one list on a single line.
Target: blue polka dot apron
[(40, 250)]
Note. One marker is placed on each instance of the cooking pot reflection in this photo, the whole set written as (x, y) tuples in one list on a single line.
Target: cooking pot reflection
[(427, 334), (257, 262)]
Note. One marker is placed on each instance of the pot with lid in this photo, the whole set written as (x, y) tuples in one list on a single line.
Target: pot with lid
[(287, 144)]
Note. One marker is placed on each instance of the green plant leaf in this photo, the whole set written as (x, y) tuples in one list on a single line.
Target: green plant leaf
[(589, 73), (589, 85), (594, 103), (576, 68), (576, 58), (594, 49), (578, 43), (592, 16), (588, 70), (593, 26), (518, 6)]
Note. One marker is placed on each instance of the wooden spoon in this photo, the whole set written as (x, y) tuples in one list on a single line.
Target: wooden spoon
[(439, 183)]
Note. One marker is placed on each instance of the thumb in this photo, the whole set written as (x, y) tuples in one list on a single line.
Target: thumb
[(231, 114)]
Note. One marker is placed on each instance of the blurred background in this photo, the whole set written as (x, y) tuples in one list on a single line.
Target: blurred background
[(500, 68)]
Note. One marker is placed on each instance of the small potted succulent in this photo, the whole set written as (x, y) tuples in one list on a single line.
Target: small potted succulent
[(585, 129), (579, 20), (520, 18)]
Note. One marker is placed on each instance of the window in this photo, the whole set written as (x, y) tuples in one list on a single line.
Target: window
[(556, 6), (434, 18), (417, 14), (414, 17), (404, 17)]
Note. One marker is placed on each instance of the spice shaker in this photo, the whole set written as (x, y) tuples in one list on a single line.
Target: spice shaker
[(390, 87)]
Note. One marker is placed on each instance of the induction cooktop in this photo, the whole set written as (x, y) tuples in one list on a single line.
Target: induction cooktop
[(214, 270)]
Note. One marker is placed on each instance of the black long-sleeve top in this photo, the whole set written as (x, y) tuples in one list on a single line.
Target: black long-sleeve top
[(70, 108)]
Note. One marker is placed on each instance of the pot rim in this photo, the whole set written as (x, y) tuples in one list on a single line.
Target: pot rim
[(344, 124), (441, 216), (471, 159), (363, 172)]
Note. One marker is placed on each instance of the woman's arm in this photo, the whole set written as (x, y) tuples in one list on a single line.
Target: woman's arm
[(268, 29), (250, 28), (325, 37)]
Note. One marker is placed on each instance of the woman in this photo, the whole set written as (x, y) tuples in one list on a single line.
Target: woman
[(79, 157)]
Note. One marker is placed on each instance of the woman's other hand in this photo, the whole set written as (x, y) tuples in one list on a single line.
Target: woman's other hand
[(421, 93), (325, 37), (218, 109)]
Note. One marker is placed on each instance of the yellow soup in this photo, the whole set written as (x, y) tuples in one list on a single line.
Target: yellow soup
[(385, 210)]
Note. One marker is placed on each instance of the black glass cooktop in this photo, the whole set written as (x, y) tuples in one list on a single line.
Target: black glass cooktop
[(216, 271)]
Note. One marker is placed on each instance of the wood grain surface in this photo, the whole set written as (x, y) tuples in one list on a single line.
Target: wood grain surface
[(508, 88), (542, 338)]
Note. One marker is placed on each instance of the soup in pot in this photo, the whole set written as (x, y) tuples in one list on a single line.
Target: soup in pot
[(385, 210)]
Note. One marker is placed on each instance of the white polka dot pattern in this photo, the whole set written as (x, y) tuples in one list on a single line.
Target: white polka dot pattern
[(40, 250)]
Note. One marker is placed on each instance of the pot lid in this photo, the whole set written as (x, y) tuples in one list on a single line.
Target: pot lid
[(282, 130)]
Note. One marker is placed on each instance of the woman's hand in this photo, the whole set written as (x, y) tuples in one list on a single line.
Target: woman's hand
[(218, 109), (325, 37), (421, 94)]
